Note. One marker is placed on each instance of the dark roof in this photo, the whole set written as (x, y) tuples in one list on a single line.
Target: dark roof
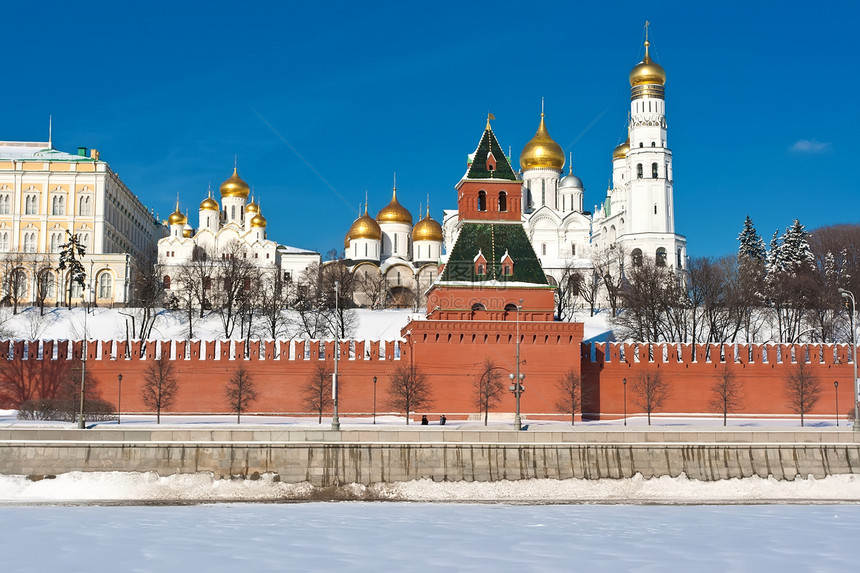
[(492, 240), (478, 167)]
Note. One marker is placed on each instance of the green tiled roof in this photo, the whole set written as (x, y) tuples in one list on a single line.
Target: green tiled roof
[(478, 167), (492, 240)]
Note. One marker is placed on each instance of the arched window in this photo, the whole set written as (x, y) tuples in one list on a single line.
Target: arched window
[(653, 171), (395, 242), (639, 171), (4, 241), (653, 144), (85, 240), (478, 306), (641, 144), (85, 206), (679, 265), (19, 284), (56, 242), (543, 249), (503, 201), (543, 191), (660, 257), (482, 200), (31, 205), (481, 270), (166, 282), (5, 204), (636, 256), (510, 307), (58, 205), (29, 242), (105, 285), (77, 289)]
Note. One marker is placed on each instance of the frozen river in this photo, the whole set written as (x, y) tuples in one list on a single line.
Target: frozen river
[(402, 536)]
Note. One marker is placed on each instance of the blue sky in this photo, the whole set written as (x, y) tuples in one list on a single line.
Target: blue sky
[(321, 103)]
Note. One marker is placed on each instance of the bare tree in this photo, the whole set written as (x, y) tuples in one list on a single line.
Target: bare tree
[(650, 391), (241, 391), (609, 266), (147, 290), (15, 280), (317, 390), (372, 286), (409, 390), (802, 389), (568, 288), (338, 302), (488, 387), (234, 278), (160, 384), (589, 288), (570, 388), (273, 297), (726, 392)]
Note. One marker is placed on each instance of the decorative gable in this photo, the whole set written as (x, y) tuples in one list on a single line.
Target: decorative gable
[(480, 262), (507, 265)]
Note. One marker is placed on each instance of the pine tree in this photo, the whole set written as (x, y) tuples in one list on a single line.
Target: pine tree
[(773, 262), (797, 258), (70, 256), (752, 245)]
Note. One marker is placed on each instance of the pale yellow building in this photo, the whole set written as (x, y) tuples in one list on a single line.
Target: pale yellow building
[(46, 194)]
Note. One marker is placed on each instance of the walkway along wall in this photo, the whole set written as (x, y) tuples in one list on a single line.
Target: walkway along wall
[(450, 353)]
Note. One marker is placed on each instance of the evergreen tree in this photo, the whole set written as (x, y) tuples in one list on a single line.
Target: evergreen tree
[(797, 258), (70, 256), (773, 262), (752, 245)]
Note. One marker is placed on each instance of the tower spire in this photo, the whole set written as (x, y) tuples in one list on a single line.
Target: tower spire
[(394, 189), (428, 204), (50, 130), (489, 117), (647, 43), (541, 106), (570, 162), (365, 203)]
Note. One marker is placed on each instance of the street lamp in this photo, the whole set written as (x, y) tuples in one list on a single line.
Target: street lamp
[(374, 399), (119, 401), (625, 400), (850, 295), (836, 391), (517, 379), (335, 420), (81, 422)]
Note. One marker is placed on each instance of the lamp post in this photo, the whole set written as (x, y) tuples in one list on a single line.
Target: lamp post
[(335, 420), (836, 391), (374, 400), (82, 424), (850, 295), (518, 377), (624, 382), (119, 401)]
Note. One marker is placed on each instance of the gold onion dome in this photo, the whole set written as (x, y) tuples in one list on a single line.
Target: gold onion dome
[(177, 218), (365, 227), (258, 220), (394, 212), (647, 71), (252, 207), (427, 229), (188, 232), (235, 186), (622, 150), (542, 151), (209, 204)]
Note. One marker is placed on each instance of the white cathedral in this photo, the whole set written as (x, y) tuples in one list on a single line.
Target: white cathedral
[(237, 222), (636, 217)]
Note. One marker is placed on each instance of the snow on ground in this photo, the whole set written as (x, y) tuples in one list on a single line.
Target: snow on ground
[(89, 487), (107, 323)]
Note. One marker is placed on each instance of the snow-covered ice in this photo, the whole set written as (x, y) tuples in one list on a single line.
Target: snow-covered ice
[(435, 537)]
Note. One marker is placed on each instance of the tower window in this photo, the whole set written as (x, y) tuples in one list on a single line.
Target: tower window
[(503, 201), (653, 144), (639, 171), (655, 208), (641, 144), (395, 242), (636, 256), (482, 200), (543, 249), (661, 257), (653, 171)]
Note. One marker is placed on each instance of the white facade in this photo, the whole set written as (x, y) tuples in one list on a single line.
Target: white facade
[(637, 214), (236, 224), (46, 194)]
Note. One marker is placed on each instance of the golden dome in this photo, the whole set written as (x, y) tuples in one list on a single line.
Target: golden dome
[(394, 212), (542, 151), (258, 221), (188, 232), (621, 151), (177, 218), (427, 229), (235, 187), (365, 227), (209, 204), (647, 71), (252, 207)]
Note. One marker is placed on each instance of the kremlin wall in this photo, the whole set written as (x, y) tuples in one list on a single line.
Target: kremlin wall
[(450, 353)]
